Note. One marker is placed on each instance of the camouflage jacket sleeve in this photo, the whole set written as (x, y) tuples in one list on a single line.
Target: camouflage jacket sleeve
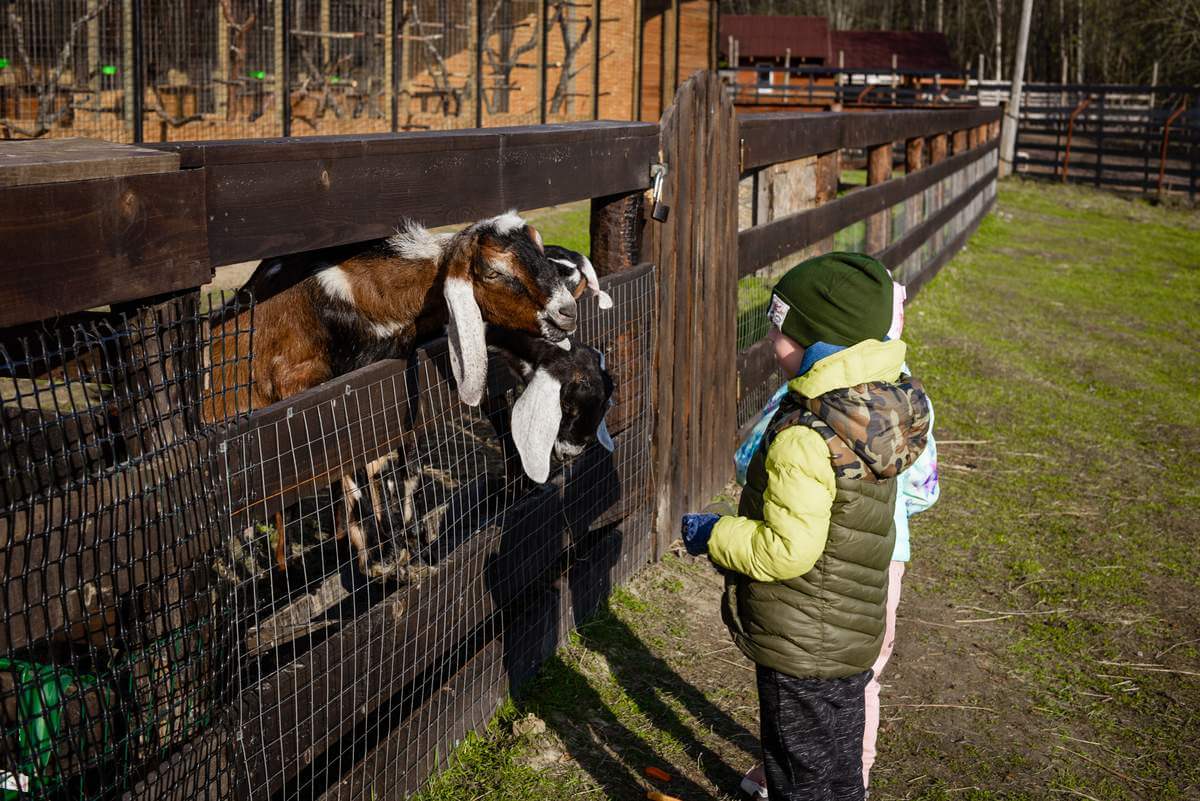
[(797, 504)]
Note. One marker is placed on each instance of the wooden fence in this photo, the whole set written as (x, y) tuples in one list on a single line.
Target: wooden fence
[(132, 557)]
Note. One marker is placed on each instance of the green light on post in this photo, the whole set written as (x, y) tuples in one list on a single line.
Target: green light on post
[(334, 79), (258, 75), (108, 69), (3, 63)]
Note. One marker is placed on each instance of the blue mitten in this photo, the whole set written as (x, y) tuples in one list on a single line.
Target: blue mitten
[(696, 529)]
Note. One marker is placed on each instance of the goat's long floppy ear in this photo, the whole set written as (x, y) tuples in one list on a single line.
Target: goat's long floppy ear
[(589, 275), (602, 436), (468, 347), (536, 417)]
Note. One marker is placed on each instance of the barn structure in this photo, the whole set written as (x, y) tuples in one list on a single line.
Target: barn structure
[(135, 70)]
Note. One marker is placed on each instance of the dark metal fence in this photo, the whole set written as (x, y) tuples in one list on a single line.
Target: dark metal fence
[(141, 71), (1133, 138)]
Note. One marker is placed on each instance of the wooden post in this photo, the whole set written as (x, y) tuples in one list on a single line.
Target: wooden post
[(879, 169), (960, 141), (475, 49), (616, 228), (323, 24), (595, 59), (828, 173), (695, 370), (1100, 142), (914, 160), (280, 64), (93, 54), (220, 89), (390, 61), (543, 23), (129, 80), (937, 153)]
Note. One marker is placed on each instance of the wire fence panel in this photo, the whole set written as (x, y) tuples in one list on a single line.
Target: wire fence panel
[(115, 646), (317, 599)]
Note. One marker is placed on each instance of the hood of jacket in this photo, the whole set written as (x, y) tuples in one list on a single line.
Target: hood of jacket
[(880, 417)]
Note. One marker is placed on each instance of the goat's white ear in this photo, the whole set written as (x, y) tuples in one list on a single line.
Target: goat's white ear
[(468, 347), (536, 417), (589, 275), (602, 436)]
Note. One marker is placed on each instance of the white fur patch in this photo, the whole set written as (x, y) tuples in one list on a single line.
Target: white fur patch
[(536, 417), (416, 242), (385, 330), (565, 344), (336, 284), (351, 488), (507, 222), (465, 334)]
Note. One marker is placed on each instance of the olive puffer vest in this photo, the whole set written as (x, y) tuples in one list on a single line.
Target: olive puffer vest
[(828, 623)]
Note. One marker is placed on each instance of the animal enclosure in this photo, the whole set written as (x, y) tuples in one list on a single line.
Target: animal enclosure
[(184, 617), (178, 70)]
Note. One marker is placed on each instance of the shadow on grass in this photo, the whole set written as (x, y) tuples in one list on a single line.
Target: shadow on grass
[(615, 732)]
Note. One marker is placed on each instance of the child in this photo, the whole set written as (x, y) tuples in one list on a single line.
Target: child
[(806, 558)]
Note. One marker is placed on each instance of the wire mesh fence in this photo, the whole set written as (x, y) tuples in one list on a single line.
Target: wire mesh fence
[(140, 71), (317, 599)]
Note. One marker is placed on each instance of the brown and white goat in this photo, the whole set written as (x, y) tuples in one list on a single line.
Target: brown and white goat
[(331, 311)]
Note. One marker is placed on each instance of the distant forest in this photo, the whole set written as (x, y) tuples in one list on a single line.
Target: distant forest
[(1083, 41)]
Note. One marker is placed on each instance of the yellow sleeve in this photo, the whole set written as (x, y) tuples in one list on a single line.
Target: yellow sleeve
[(789, 539)]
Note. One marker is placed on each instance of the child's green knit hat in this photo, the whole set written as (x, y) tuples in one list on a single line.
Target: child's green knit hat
[(839, 298)]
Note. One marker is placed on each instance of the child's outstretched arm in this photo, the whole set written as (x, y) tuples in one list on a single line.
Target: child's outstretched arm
[(797, 504)]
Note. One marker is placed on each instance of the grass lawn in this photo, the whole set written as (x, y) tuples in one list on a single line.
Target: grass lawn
[(1049, 633)]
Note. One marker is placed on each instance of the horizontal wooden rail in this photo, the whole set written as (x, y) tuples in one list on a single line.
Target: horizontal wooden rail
[(764, 244), (894, 254), (274, 197), (948, 251), (772, 138)]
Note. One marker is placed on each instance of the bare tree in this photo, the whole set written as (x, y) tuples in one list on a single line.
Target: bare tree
[(505, 56), (235, 78)]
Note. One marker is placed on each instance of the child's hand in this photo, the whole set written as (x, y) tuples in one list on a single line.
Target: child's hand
[(696, 529)]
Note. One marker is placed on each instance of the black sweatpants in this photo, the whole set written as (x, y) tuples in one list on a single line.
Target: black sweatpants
[(812, 736)]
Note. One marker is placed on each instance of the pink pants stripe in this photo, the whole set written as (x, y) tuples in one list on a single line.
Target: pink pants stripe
[(895, 575)]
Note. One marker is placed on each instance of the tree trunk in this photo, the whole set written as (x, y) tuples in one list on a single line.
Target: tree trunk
[(999, 40), (941, 16), (1079, 45)]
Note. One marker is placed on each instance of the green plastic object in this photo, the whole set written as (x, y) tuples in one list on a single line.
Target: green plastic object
[(44, 691), (108, 69), (3, 63), (259, 75)]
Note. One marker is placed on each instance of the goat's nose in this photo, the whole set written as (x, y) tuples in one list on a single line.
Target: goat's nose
[(565, 314)]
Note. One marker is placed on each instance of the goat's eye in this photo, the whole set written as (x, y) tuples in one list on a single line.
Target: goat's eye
[(489, 273)]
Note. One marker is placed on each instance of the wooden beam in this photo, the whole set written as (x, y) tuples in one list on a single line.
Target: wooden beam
[(785, 136), (764, 244), (270, 198), (45, 161), (81, 244)]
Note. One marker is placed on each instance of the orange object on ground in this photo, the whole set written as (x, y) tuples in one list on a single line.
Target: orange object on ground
[(655, 795), (655, 773)]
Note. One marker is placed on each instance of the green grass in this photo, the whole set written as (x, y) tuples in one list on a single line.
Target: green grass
[(1049, 634), (565, 225)]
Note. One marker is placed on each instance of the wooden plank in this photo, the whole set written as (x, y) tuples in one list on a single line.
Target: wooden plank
[(81, 244), (273, 197), (45, 161), (895, 254), (879, 171), (764, 244), (773, 138)]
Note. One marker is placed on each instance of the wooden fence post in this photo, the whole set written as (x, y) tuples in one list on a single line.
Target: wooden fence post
[(938, 146), (828, 174), (879, 169), (695, 398), (960, 142), (914, 160)]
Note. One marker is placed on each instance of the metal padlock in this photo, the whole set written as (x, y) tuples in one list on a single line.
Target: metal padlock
[(658, 210)]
